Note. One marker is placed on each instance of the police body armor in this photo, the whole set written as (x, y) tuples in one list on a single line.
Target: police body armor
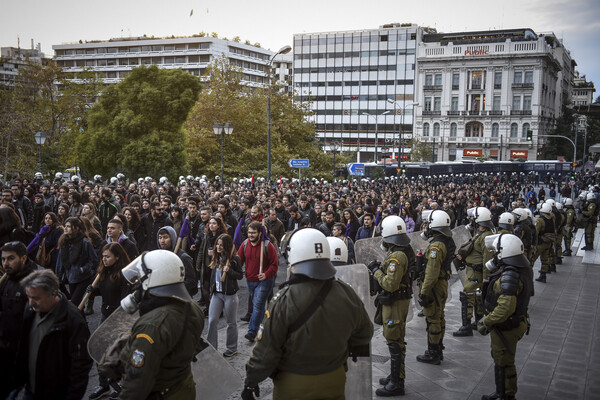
[(405, 291), (509, 277), (450, 252), (525, 233), (548, 229)]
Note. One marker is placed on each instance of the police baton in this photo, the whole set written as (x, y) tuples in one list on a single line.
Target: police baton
[(3, 278), (88, 294)]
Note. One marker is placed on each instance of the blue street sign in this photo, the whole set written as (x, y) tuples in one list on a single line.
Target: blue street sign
[(356, 169), (298, 163)]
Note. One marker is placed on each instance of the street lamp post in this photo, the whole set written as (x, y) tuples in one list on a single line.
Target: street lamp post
[(223, 129), (401, 141), (335, 145), (284, 50), (376, 130), (40, 139)]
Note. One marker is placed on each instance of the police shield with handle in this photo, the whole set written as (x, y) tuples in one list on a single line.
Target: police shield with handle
[(156, 358), (434, 287), (393, 301), (310, 328), (506, 299)]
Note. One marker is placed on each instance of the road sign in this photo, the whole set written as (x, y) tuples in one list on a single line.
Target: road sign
[(298, 163), (356, 169)]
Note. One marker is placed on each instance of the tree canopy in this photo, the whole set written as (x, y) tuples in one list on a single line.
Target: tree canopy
[(136, 125)]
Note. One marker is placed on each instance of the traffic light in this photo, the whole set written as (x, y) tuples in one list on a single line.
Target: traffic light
[(529, 135)]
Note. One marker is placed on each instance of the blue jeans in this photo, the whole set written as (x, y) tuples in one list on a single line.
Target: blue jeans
[(259, 292)]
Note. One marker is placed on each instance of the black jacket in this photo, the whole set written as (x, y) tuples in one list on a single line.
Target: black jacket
[(63, 363), (112, 292), (235, 273), (150, 228)]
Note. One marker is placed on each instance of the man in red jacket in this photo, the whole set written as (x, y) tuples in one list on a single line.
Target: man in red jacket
[(261, 270)]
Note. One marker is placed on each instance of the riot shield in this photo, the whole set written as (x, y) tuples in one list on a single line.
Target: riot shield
[(358, 377), (461, 235), (209, 361)]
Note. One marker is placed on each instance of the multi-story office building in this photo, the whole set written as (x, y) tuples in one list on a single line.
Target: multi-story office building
[(14, 58), (115, 58), (583, 91), (361, 87), (480, 93)]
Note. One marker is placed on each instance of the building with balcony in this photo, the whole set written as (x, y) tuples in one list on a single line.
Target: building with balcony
[(480, 93), (14, 58), (361, 87), (113, 59)]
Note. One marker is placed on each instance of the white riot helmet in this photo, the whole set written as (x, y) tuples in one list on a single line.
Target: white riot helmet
[(481, 216), (590, 196), (551, 202), (393, 231), (308, 254), (520, 214), (506, 221), (38, 175), (568, 202), (338, 251), (507, 248), (436, 220), (58, 175), (162, 180), (160, 273), (97, 178), (559, 206), (529, 214), (583, 194), (113, 180), (140, 180), (546, 208)]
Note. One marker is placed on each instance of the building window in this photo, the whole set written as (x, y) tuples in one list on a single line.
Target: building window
[(526, 103), (473, 129), (498, 80), (528, 76), (428, 80), (437, 103), (518, 77), (514, 130), (476, 79), (438, 80), (516, 105), (525, 130), (453, 129), (495, 130), (427, 106), (426, 129), (496, 103), (455, 80), (452, 155), (436, 129), (454, 104)]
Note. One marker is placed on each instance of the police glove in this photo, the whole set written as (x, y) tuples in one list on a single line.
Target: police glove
[(482, 327), (249, 392), (424, 300), (373, 266)]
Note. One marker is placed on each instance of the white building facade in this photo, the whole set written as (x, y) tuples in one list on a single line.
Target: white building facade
[(113, 59), (360, 85), (480, 93)]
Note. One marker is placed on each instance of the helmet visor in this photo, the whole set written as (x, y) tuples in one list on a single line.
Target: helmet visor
[(426, 214), (134, 271), (489, 242), (471, 212)]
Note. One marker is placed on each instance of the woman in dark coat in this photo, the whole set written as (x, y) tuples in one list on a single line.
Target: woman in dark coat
[(77, 259), (214, 228)]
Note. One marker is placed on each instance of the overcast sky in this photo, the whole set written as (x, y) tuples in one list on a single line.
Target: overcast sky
[(272, 23)]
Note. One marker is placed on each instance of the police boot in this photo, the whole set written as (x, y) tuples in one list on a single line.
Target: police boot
[(552, 268), (567, 253), (395, 386), (465, 329), (541, 278), (500, 385), (432, 355), (89, 307), (558, 260)]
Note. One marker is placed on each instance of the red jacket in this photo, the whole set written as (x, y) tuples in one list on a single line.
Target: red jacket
[(250, 256)]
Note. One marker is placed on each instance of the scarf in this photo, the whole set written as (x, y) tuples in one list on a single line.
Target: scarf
[(70, 252)]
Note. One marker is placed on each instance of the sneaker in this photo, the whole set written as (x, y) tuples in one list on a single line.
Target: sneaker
[(114, 396), (246, 318), (250, 337), (98, 392), (229, 353)]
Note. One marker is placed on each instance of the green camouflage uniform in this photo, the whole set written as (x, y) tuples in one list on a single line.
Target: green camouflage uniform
[(476, 273), (545, 226)]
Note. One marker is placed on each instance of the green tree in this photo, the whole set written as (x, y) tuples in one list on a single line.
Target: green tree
[(226, 99), (136, 126), (44, 99), (420, 151)]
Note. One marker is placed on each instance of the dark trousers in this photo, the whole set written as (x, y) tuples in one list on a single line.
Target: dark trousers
[(77, 290)]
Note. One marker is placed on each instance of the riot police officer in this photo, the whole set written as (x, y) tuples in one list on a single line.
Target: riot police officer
[(162, 343), (525, 230), (295, 345), (569, 225), (434, 289), (591, 215), (481, 220), (394, 278), (506, 298), (506, 223), (338, 251), (544, 227)]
